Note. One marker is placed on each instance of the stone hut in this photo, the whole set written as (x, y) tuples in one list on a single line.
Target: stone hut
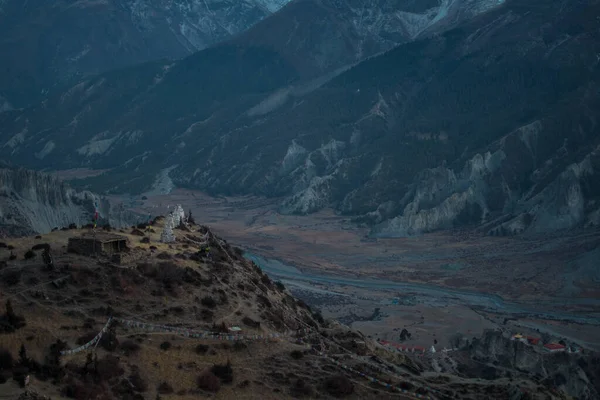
[(98, 243)]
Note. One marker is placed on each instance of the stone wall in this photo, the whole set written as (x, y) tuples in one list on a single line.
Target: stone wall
[(84, 246), (125, 258), (89, 246), (114, 246)]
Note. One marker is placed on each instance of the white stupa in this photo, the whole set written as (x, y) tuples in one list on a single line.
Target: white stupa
[(167, 236), (172, 220)]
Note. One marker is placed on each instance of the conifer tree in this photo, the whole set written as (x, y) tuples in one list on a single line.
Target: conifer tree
[(11, 317), (190, 218), (23, 360), (88, 362)]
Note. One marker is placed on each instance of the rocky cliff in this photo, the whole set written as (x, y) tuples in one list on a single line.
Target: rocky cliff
[(33, 202), (444, 198), (569, 372), (47, 45), (466, 124)]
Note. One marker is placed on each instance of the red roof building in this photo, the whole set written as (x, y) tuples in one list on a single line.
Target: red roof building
[(554, 347), (533, 340), (418, 349), (404, 348)]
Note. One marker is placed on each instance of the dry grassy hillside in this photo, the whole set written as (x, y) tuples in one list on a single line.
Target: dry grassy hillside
[(283, 349)]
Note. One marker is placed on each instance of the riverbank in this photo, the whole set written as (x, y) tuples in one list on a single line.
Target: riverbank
[(435, 295), (433, 314)]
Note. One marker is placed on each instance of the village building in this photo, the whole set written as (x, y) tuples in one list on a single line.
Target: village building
[(403, 348), (360, 347), (418, 349), (533, 340), (98, 243), (554, 347), (574, 349), (519, 337)]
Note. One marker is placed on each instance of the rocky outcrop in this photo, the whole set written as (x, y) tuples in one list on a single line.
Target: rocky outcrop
[(33, 202), (571, 199), (564, 370), (4, 105), (445, 198)]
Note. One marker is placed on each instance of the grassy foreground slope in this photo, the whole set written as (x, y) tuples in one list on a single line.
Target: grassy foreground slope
[(187, 349)]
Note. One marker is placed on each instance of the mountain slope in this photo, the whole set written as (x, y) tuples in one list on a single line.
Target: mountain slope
[(319, 36), (473, 125), (51, 44), (507, 126), (145, 102), (160, 97), (167, 319)]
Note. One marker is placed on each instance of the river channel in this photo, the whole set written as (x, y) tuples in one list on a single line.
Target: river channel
[(430, 294)]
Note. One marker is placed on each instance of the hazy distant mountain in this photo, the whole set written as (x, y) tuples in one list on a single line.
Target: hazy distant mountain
[(482, 119), (318, 36), (46, 44)]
